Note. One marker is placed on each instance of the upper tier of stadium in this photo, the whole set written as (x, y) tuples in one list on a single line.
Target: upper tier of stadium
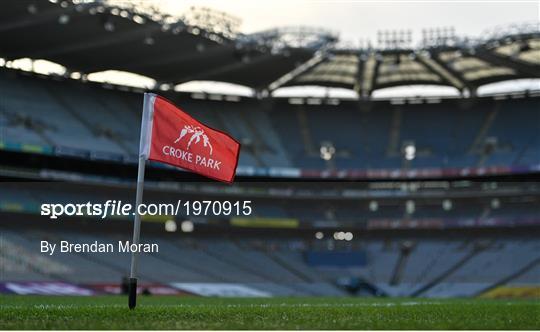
[(87, 120), (94, 36)]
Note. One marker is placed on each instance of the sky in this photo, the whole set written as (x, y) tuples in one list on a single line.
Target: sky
[(355, 20)]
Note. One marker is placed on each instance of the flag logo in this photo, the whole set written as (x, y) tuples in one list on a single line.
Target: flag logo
[(196, 134)]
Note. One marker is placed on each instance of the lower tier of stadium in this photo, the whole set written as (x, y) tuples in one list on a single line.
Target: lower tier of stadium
[(221, 265)]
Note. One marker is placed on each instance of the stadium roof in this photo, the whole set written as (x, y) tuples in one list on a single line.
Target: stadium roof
[(512, 57), (91, 37)]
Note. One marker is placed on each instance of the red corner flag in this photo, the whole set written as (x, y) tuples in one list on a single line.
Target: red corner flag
[(170, 136), (173, 137)]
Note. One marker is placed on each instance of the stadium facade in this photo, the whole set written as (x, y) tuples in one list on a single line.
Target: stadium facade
[(422, 196)]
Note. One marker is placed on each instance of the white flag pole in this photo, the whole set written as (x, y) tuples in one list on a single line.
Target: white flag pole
[(136, 235), (144, 148)]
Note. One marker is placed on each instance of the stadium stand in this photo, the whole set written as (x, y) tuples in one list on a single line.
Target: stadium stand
[(78, 140), (466, 270), (468, 211), (90, 118)]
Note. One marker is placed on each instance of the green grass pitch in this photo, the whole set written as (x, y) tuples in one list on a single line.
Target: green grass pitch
[(168, 312)]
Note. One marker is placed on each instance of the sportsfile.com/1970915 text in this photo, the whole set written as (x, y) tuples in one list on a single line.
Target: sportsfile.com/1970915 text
[(114, 208)]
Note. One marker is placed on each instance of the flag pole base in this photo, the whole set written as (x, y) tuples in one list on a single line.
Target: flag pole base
[(132, 289)]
